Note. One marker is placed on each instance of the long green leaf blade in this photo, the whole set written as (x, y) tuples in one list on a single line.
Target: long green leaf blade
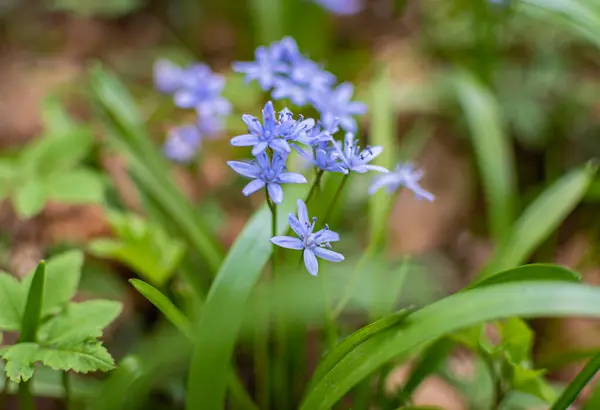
[(586, 374), (492, 150), (33, 307), (541, 218), (534, 299), (222, 314)]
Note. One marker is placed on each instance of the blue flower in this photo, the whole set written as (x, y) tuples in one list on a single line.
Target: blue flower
[(167, 76), (274, 132), (355, 159), (342, 7), (267, 173), (335, 105), (312, 244), (402, 175), (182, 143), (264, 68)]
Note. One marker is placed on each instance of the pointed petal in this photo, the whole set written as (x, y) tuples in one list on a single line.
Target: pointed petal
[(376, 168), (275, 192), (378, 183), (296, 225), (326, 235), (356, 108), (310, 261), (302, 212), (280, 145), (288, 242), (302, 153), (269, 116), (245, 140), (292, 178), (343, 93), (259, 148), (371, 153), (245, 169), (328, 255), (253, 186), (349, 123), (252, 123), (263, 160)]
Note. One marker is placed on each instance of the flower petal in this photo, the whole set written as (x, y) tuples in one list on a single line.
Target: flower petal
[(253, 186), (253, 124), (302, 212), (371, 153), (275, 192), (376, 168), (245, 169), (296, 225), (259, 148), (326, 235), (310, 261), (287, 242), (245, 140), (292, 178), (343, 92), (280, 145), (185, 99), (328, 254)]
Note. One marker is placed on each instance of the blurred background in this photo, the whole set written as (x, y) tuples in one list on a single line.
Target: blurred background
[(534, 117)]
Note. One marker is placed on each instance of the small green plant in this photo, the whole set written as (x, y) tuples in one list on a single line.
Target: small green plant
[(53, 330), (50, 167)]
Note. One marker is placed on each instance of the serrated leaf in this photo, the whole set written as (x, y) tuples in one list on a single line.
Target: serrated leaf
[(19, 361), (79, 186), (80, 321), (12, 302), (80, 358), (29, 198), (532, 382), (63, 272)]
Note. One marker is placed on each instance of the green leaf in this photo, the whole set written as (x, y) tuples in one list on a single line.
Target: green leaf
[(532, 382), (575, 15), (492, 150), (19, 361), (90, 8), (531, 272), (63, 272), (464, 309), (12, 302), (79, 186), (56, 120), (7, 175), (55, 153), (353, 340), (383, 133), (29, 198), (540, 219), (222, 314), (145, 248), (517, 340), (166, 307), (148, 166), (80, 357), (571, 392), (79, 321), (32, 314)]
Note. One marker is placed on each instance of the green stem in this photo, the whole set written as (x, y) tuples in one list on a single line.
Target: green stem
[(66, 382), (26, 401), (315, 186), (498, 391), (336, 197)]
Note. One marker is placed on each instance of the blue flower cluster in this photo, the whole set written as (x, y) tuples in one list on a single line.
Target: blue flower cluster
[(195, 87), (342, 7), (281, 69)]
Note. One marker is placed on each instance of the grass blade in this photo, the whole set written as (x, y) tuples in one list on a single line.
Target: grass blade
[(586, 374), (492, 150), (523, 299), (540, 219), (222, 315)]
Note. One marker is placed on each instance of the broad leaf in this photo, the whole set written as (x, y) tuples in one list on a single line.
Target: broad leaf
[(464, 309), (517, 340), (12, 302), (29, 198), (532, 382), (79, 186), (79, 321), (62, 279), (19, 361), (56, 120), (81, 358)]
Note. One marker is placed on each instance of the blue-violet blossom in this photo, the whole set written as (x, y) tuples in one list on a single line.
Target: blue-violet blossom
[(355, 159), (274, 132), (402, 175), (336, 105), (182, 143), (270, 173), (342, 7), (312, 244)]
